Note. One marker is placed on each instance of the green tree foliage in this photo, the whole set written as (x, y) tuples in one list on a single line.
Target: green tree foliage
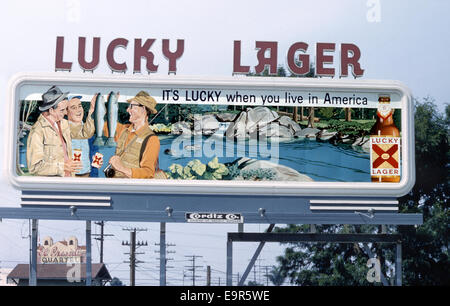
[(327, 112), (432, 159), (281, 71), (116, 282), (276, 276), (425, 250), (310, 74), (350, 127), (323, 264), (254, 284)]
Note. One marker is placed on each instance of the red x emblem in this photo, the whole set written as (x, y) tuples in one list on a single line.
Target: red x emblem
[(76, 157), (96, 160), (385, 156)]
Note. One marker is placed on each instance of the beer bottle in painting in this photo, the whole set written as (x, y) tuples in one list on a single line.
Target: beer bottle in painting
[(385, 144)]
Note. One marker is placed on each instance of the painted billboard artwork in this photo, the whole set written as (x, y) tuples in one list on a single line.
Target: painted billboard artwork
[(144, 133)]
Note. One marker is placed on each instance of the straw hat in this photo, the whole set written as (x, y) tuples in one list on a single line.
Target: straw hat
[(146, 100)]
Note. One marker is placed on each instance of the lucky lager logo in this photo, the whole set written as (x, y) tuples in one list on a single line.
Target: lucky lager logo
[(385, 156)]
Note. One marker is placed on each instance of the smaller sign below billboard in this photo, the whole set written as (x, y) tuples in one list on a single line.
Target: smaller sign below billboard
[(61, 252), (214, 218)]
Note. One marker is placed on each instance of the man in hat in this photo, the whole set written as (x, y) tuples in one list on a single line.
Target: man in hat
[(81, 131), (49, 147), (137, 148)]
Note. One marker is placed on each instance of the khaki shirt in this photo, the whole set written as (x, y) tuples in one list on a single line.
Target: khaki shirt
[(45, 155), (82, 131), (146, 167)]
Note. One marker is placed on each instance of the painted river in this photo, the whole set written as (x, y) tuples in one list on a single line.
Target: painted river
[(319, 160)]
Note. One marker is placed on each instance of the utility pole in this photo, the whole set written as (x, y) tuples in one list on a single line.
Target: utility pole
[(259, 269), (208, 275), (267, 274), (101, 239), (133, 246), (193, 267)]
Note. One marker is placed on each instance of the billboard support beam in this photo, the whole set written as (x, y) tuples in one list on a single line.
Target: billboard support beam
[(33, 250), (162, 254), (83, 213), (398, 264), (371, 255), (229, 261), (88, 254), (302, 237), (254, 258)]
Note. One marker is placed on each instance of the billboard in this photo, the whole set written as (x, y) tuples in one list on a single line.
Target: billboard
[(206, 135)]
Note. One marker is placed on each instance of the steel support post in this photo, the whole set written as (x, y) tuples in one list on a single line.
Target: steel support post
[(162, 254), (371, 255), (229, 262), (398, 264), (133, 257), (33, 258), (88, 254)]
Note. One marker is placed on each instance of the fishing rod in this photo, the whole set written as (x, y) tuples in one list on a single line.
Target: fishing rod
[(154, 117)]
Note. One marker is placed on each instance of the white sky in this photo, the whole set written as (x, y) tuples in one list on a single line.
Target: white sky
[(410, 43)]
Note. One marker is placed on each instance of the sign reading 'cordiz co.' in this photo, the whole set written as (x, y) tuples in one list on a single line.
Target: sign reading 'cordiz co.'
[(202, 135), (214, 218)]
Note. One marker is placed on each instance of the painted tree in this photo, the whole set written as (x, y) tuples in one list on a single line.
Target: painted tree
[(310, 74)]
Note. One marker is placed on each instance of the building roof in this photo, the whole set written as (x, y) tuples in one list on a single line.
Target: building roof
[(59, 271)]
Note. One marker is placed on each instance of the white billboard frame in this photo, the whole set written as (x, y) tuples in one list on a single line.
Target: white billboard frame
[(105, 185)]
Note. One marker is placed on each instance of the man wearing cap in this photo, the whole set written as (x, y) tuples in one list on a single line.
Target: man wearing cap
[(49, 145), (137, 148), (81, 131)]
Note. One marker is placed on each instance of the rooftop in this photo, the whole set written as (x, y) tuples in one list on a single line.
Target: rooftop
[(59, 271)]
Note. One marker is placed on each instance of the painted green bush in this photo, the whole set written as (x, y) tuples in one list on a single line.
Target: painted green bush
[(196, 170), (258, 175)]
